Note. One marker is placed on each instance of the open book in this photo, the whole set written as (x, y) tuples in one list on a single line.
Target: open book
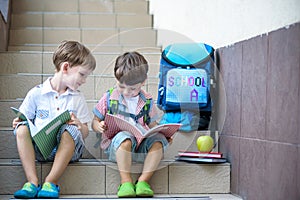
[(116, 124), (45, 137)]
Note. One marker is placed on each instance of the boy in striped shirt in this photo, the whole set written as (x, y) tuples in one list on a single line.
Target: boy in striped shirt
[(128, 100)]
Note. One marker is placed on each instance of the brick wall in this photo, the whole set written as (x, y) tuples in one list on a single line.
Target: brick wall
[(261, 133)]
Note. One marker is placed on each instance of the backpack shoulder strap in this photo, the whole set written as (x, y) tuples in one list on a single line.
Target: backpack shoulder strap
[(112, 105), (145, 111), (113, 108)]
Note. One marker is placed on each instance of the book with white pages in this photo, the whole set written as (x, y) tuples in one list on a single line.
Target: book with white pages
[(116, 124), (45, 137)]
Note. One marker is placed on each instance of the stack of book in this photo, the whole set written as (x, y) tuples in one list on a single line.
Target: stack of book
[(200, 157)]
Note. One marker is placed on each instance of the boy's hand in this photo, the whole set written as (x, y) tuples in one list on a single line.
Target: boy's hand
[(15, 122), (75, 121), (101, 127), (82, 127), (98, 125), (170, 140)]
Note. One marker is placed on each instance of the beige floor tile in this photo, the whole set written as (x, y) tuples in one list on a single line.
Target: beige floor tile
[(17, 86), (134, 20), (60, 5), (15, 62), (140, 36), (13, 176), (27, 5), (135, 6), (26, 20), (61, 20), (96, 6), (100, 36), (80, 178), (56, 36), (26, 36), (98, 20)]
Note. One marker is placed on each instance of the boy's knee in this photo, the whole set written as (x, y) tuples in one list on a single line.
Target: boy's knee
[(66, 135), (22, 132), (66, 138), (126, 144), (157, 145)]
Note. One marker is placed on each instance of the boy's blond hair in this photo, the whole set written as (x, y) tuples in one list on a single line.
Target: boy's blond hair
[(75, 53), (131, 68)]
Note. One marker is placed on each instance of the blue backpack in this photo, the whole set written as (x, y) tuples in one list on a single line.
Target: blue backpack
[(184, 77)]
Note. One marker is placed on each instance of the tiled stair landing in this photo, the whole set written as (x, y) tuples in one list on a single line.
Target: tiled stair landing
[(100, 177)]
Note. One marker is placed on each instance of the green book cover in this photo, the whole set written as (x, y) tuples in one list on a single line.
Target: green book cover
[(45, 137)]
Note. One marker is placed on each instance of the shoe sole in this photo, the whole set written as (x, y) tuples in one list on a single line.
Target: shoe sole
[(128, 196), (24, 197), (144, 195)]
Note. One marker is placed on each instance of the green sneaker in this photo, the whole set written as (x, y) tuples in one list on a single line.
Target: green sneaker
[(28, 191), (143, 189), (126, 190)]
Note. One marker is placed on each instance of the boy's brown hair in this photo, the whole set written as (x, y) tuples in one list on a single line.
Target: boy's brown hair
[(131, 68), (75, 53)]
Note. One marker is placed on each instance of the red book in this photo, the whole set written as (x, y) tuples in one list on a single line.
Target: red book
[(197, 154), (116, 124)]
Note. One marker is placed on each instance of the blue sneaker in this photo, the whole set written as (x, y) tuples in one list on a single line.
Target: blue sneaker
[(28, 191), (49, 191)]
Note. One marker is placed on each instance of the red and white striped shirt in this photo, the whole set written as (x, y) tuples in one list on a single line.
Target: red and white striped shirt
[(101, 109)]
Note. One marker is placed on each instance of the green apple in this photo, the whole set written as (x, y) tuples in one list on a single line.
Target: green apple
[(205, 143)]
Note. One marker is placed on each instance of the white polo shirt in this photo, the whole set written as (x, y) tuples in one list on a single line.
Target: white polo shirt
[(42, 104)]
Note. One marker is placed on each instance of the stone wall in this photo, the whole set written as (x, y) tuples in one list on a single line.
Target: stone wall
[(261, 133)]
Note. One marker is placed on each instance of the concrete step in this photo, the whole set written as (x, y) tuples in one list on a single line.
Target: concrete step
[(79, 20), (6, 114), (37, 62), (21, 71), (16, 86), (8, 146), (90, 36), (181, 141), (38, 24), (100, 177), (156, 196), (99, 48), (172, 178), (103, 6)]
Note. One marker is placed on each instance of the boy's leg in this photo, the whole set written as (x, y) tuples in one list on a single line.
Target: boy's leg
[(156, 145), (26, 153), (143, 189), (70, 147), (124, 160), (152, 161), (120, 151), (62, 158)]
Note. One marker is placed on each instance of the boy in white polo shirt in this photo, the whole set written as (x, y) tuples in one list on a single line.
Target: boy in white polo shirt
[(73, 63)]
